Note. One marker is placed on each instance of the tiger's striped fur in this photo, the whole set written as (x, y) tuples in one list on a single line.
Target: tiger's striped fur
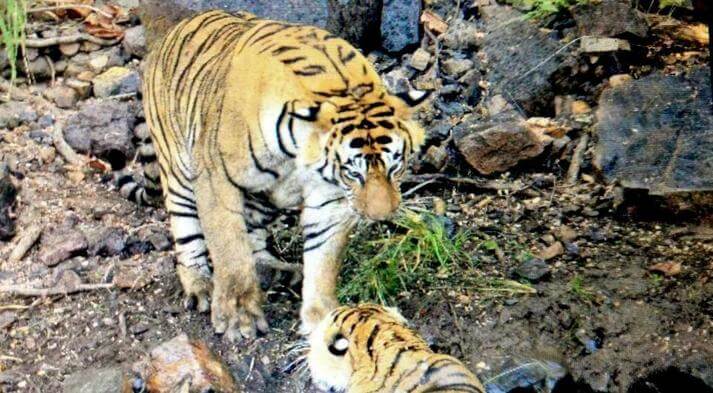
[(249, 117), (369, 349)]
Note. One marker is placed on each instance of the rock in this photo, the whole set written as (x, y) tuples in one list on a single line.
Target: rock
[(181, 359), (83, 88), (525, 64), (357, 21), (92, 380), (8, 193), (534, 270), (102, 128), (65, 97), (566, 233), (88, 46), (116, 80), (160, 15), (397, 80), (107, 242), (655, 133), (135, 41), (98, 62), (580, 107), (58, 246), (69, 49), (590, 44), (436, 156), (400, 24), (420, 59), (497, 145), (608, 18), (619, 80), (457, 67), (462, 35), (39, 68), (14, 113), (554, 250)]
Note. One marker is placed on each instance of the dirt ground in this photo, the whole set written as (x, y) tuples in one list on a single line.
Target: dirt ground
[(600, 310)]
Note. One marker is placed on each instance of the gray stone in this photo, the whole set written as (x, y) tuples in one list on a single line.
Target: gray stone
[(520, 60), (39, 68), (135, 41), (457, 67), (656, 133), (65, 97), (603, 44), (399, 24), (357, 21), (58, 246), (8, 193), (461, 35), (496, 145), (103, 128), (115, 81), (608, 18), (14, 113), (107, 242), (103, 380), (160, 15), (534, 269)]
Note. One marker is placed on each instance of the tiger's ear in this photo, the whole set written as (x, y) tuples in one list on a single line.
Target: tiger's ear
[(321, 113)]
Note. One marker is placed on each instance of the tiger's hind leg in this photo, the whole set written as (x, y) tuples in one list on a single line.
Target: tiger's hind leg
[(193, 268), (236, 308)]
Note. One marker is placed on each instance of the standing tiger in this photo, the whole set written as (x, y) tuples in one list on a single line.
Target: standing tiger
[(368, 348), (247, 117)]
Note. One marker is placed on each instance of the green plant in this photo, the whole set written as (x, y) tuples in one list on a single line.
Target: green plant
[(542, 8), (671, 3), (421, 252), (577, 287), (13, 18)]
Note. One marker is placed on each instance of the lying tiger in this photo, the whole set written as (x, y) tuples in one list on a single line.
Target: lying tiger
[(368, 348), (248, 117)]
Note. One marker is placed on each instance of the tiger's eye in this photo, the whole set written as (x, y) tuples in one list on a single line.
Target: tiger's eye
[(339, 345)]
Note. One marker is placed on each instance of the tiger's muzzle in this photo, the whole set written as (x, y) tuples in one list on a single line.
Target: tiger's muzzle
[(377, 199)]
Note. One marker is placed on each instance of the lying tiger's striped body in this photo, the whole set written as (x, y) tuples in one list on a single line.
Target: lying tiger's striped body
[(251, 116), (368, 348)]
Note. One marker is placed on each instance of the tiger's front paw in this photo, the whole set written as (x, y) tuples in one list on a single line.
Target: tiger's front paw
[(196, 288), (313, 312), (239, 314)]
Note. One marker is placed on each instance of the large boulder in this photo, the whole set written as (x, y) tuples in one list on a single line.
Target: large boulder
[(399, 24), (160, 15), (525, 65), (609, 18), (104, 129), (357, 21), (656, 133)]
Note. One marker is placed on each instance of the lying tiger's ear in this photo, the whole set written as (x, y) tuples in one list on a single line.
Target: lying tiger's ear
[(413, 98)]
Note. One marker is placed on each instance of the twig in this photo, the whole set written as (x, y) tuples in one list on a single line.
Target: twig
[(479, 183), (64, 149), (574, 166), (26, 242), (69, 6), (68, 39), (10, 358), (418, 187), (23, 290), (21, 306)]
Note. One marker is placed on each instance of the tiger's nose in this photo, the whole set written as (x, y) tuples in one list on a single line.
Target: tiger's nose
[(380, 199)]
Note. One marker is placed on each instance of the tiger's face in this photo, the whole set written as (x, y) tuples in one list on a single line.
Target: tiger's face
[(340, 345), (367, 149)]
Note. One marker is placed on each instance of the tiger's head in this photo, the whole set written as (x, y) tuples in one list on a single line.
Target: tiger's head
[(363, 144), (353, 340)]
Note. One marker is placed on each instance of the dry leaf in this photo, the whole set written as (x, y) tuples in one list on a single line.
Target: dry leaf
[(668, 269), (433, 22)]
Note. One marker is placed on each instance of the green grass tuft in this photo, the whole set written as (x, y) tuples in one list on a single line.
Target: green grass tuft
[(577, 287), (420, 253), (542, 8), (13, 18)]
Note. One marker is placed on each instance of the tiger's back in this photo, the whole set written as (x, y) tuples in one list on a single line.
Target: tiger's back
[(368, 348)]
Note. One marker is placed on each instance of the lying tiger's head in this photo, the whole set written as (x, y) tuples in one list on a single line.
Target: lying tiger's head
[(364, 145), (351, 340)]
